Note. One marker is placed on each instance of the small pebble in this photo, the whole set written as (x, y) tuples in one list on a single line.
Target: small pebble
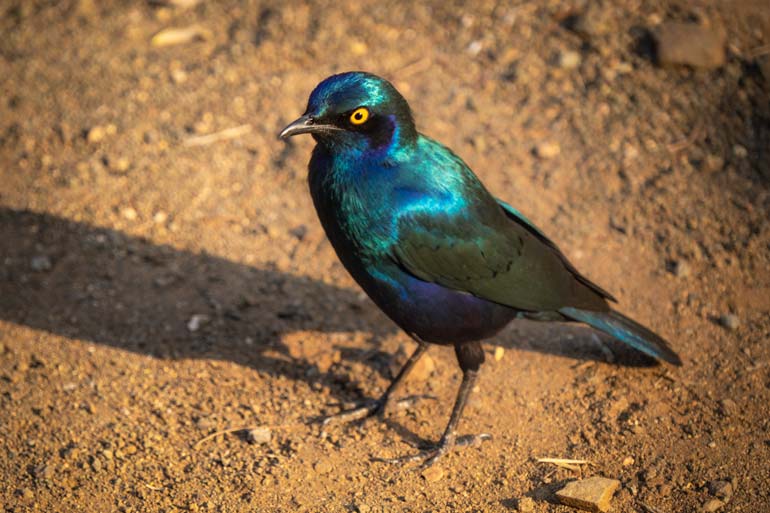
[(40, 263), (129, 213), (740, 151), (95, 134), (712, 505), (259, 435), (681, 269), (591, 494), (730, 321), (721, 489), (690, 44), (628, 461), (547, 150), (728, 407), (433, 474), (196, 321), (499, 353), (569, 59)]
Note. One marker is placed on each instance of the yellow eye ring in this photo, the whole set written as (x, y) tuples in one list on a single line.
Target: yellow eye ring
[(359, 116)]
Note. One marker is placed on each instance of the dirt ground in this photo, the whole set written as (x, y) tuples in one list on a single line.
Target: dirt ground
[(158, 285)]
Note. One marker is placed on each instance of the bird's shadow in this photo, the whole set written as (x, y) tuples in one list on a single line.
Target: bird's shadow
[(101, 285)]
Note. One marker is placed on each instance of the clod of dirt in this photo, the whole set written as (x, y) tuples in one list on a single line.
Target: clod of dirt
[(690, 44), (592, 494)]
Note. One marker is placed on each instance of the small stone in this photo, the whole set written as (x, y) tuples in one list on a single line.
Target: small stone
[(740, 151), (120, 165), (690, 44), (323, 467), (592, 494), (712, 505), (40, 263), (728, 407), (358, 48), (196, 321), (178, 76), (160, 217), (681, 269), (593, 22), (547, 149), (129, 213), (526, 505), (433, 474), (569, 59), (499, 353), (628, 461), (259, 435), (714, 163), (43, 472), (95, 134), (730, 321), (721, 489), (26, 494)]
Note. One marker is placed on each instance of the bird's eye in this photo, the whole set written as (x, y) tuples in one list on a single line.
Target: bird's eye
[(359, 116)]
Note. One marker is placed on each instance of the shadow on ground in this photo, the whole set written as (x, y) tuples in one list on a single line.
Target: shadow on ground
[(110, 288)]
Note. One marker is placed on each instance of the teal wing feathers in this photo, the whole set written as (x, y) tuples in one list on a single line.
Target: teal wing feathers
[(495, 257)]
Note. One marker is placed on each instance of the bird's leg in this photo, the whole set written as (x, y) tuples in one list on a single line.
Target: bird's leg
[(470, 356), (381, 406)]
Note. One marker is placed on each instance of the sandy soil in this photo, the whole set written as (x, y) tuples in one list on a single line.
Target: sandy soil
[(157, 286)]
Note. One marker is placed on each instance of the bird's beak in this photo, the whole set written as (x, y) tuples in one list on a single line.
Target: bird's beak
[(302, 125)]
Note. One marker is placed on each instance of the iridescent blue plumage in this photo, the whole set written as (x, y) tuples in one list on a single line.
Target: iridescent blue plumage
[(443, 258)]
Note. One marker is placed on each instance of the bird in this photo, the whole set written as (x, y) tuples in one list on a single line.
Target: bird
[(443, 258)]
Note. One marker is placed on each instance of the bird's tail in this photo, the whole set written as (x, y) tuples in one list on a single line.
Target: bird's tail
[(627, 331)]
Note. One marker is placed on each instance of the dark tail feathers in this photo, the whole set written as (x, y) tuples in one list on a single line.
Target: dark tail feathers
[(627, 331)]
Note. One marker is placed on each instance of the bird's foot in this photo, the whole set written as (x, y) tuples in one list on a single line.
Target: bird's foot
[(431, 454), (378, 407)]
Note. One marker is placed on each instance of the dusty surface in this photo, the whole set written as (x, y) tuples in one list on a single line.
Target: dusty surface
[(153, 291)]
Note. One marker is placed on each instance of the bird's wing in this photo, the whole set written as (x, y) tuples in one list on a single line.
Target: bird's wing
[(516, 216), (489, 256)]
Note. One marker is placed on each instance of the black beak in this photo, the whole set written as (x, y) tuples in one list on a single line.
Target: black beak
[(304, 125)]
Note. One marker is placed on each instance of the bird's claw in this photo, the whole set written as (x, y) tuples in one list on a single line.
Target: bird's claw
[(430, 455)]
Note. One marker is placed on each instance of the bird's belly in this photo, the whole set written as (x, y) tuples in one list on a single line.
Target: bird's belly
[(432, 312)]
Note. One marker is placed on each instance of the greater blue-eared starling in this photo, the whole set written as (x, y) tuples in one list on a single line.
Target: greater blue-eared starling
[(441, 256)]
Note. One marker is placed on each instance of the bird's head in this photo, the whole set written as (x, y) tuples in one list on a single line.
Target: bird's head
[(356, 110)]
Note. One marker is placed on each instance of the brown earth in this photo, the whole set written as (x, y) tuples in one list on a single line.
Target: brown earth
[(156, 287)]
